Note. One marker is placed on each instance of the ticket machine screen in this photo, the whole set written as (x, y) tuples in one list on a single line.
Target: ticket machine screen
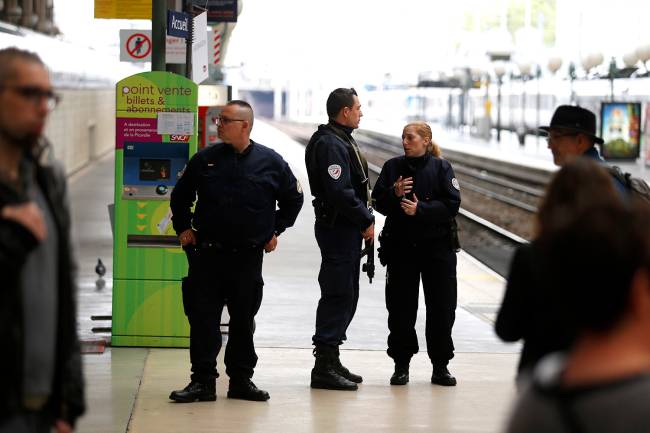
[(152, 169), (155, 169)]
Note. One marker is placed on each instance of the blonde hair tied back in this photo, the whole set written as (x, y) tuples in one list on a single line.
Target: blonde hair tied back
[(424, 131)]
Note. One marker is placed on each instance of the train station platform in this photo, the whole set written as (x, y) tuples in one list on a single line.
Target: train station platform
[(534, 153), (128, 388)]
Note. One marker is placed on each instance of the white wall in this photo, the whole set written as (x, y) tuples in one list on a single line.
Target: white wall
[(82, 127)]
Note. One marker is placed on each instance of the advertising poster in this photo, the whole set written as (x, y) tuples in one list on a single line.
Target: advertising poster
[(620, 128), (646, 135)]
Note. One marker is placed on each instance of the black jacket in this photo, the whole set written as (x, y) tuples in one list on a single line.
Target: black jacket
[(531, 310), (236, 195), (16, 242), (337, 176), (437, 191)]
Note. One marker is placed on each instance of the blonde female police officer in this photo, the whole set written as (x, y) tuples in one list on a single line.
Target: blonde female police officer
[(420, 197)]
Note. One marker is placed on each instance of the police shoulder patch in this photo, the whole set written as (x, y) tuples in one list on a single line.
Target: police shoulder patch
[(334, 171), (455, 184)]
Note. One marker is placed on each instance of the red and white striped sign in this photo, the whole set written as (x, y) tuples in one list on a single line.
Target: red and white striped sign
[(216, 44)]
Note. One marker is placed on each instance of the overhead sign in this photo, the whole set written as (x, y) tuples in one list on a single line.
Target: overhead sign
[(219, 11), (135, 45), (123, 9), (178, 24), (200, 49)]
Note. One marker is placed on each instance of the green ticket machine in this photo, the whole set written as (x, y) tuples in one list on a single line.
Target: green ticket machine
[(156, 134)]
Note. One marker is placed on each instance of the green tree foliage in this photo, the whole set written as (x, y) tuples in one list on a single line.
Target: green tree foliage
[(543, 14)]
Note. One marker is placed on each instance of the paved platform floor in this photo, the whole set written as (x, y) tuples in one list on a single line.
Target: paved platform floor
[(128, 387)]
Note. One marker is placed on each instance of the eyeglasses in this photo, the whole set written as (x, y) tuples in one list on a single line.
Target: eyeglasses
[(225, 120), (35, 95), (556, 137)]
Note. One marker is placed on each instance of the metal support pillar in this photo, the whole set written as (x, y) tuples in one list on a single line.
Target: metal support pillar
[(158, 34), (499, 83)]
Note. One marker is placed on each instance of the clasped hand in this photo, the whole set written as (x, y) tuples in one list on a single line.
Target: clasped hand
[(401, 187), (410, 207)]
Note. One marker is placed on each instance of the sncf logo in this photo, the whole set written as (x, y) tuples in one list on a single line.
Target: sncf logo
[(179, 138)]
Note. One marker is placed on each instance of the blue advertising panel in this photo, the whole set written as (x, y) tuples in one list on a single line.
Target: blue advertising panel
[(620, 129), (646, 134), (219, 11)]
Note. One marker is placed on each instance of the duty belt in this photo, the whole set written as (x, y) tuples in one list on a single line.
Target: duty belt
[(218, 246)]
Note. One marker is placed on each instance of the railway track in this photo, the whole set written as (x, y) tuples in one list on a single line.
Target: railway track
[(497, 187), (492, 203), (483, 240)]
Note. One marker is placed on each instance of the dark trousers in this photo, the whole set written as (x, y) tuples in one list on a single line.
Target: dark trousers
[(436, 263), (218, 278), (340, 248), (28, 422)]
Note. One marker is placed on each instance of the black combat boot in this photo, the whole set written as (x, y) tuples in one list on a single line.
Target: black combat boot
[(195, 391), (340, 368), (401, 374), (324, 375), (441, 376), (245, 389)]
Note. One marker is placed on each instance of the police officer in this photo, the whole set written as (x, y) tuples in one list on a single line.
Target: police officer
[(338, 177), (236, 185), (420, 197)]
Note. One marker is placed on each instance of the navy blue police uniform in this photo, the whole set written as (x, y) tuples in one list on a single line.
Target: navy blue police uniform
[(419, 245), (338, 178), (235, 216)]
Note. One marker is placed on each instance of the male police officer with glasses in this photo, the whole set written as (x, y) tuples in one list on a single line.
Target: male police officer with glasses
[(236, 185), (338, 177)]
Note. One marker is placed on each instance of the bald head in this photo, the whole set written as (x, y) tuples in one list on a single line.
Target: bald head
[(243, 110)]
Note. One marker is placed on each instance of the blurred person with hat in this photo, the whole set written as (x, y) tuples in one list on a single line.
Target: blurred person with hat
[(572, 133)]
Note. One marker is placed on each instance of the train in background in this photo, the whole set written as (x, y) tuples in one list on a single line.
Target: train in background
[(524, 105), (82, 127)]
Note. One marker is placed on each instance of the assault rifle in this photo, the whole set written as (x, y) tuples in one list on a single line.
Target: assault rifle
[(369, 252), (369, 266)]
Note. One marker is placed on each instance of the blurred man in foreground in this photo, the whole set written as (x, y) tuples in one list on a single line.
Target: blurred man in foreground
[(41, 363)]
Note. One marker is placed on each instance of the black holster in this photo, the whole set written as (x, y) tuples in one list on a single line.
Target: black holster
[(325, 213), (384, 251), (455, 240)]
